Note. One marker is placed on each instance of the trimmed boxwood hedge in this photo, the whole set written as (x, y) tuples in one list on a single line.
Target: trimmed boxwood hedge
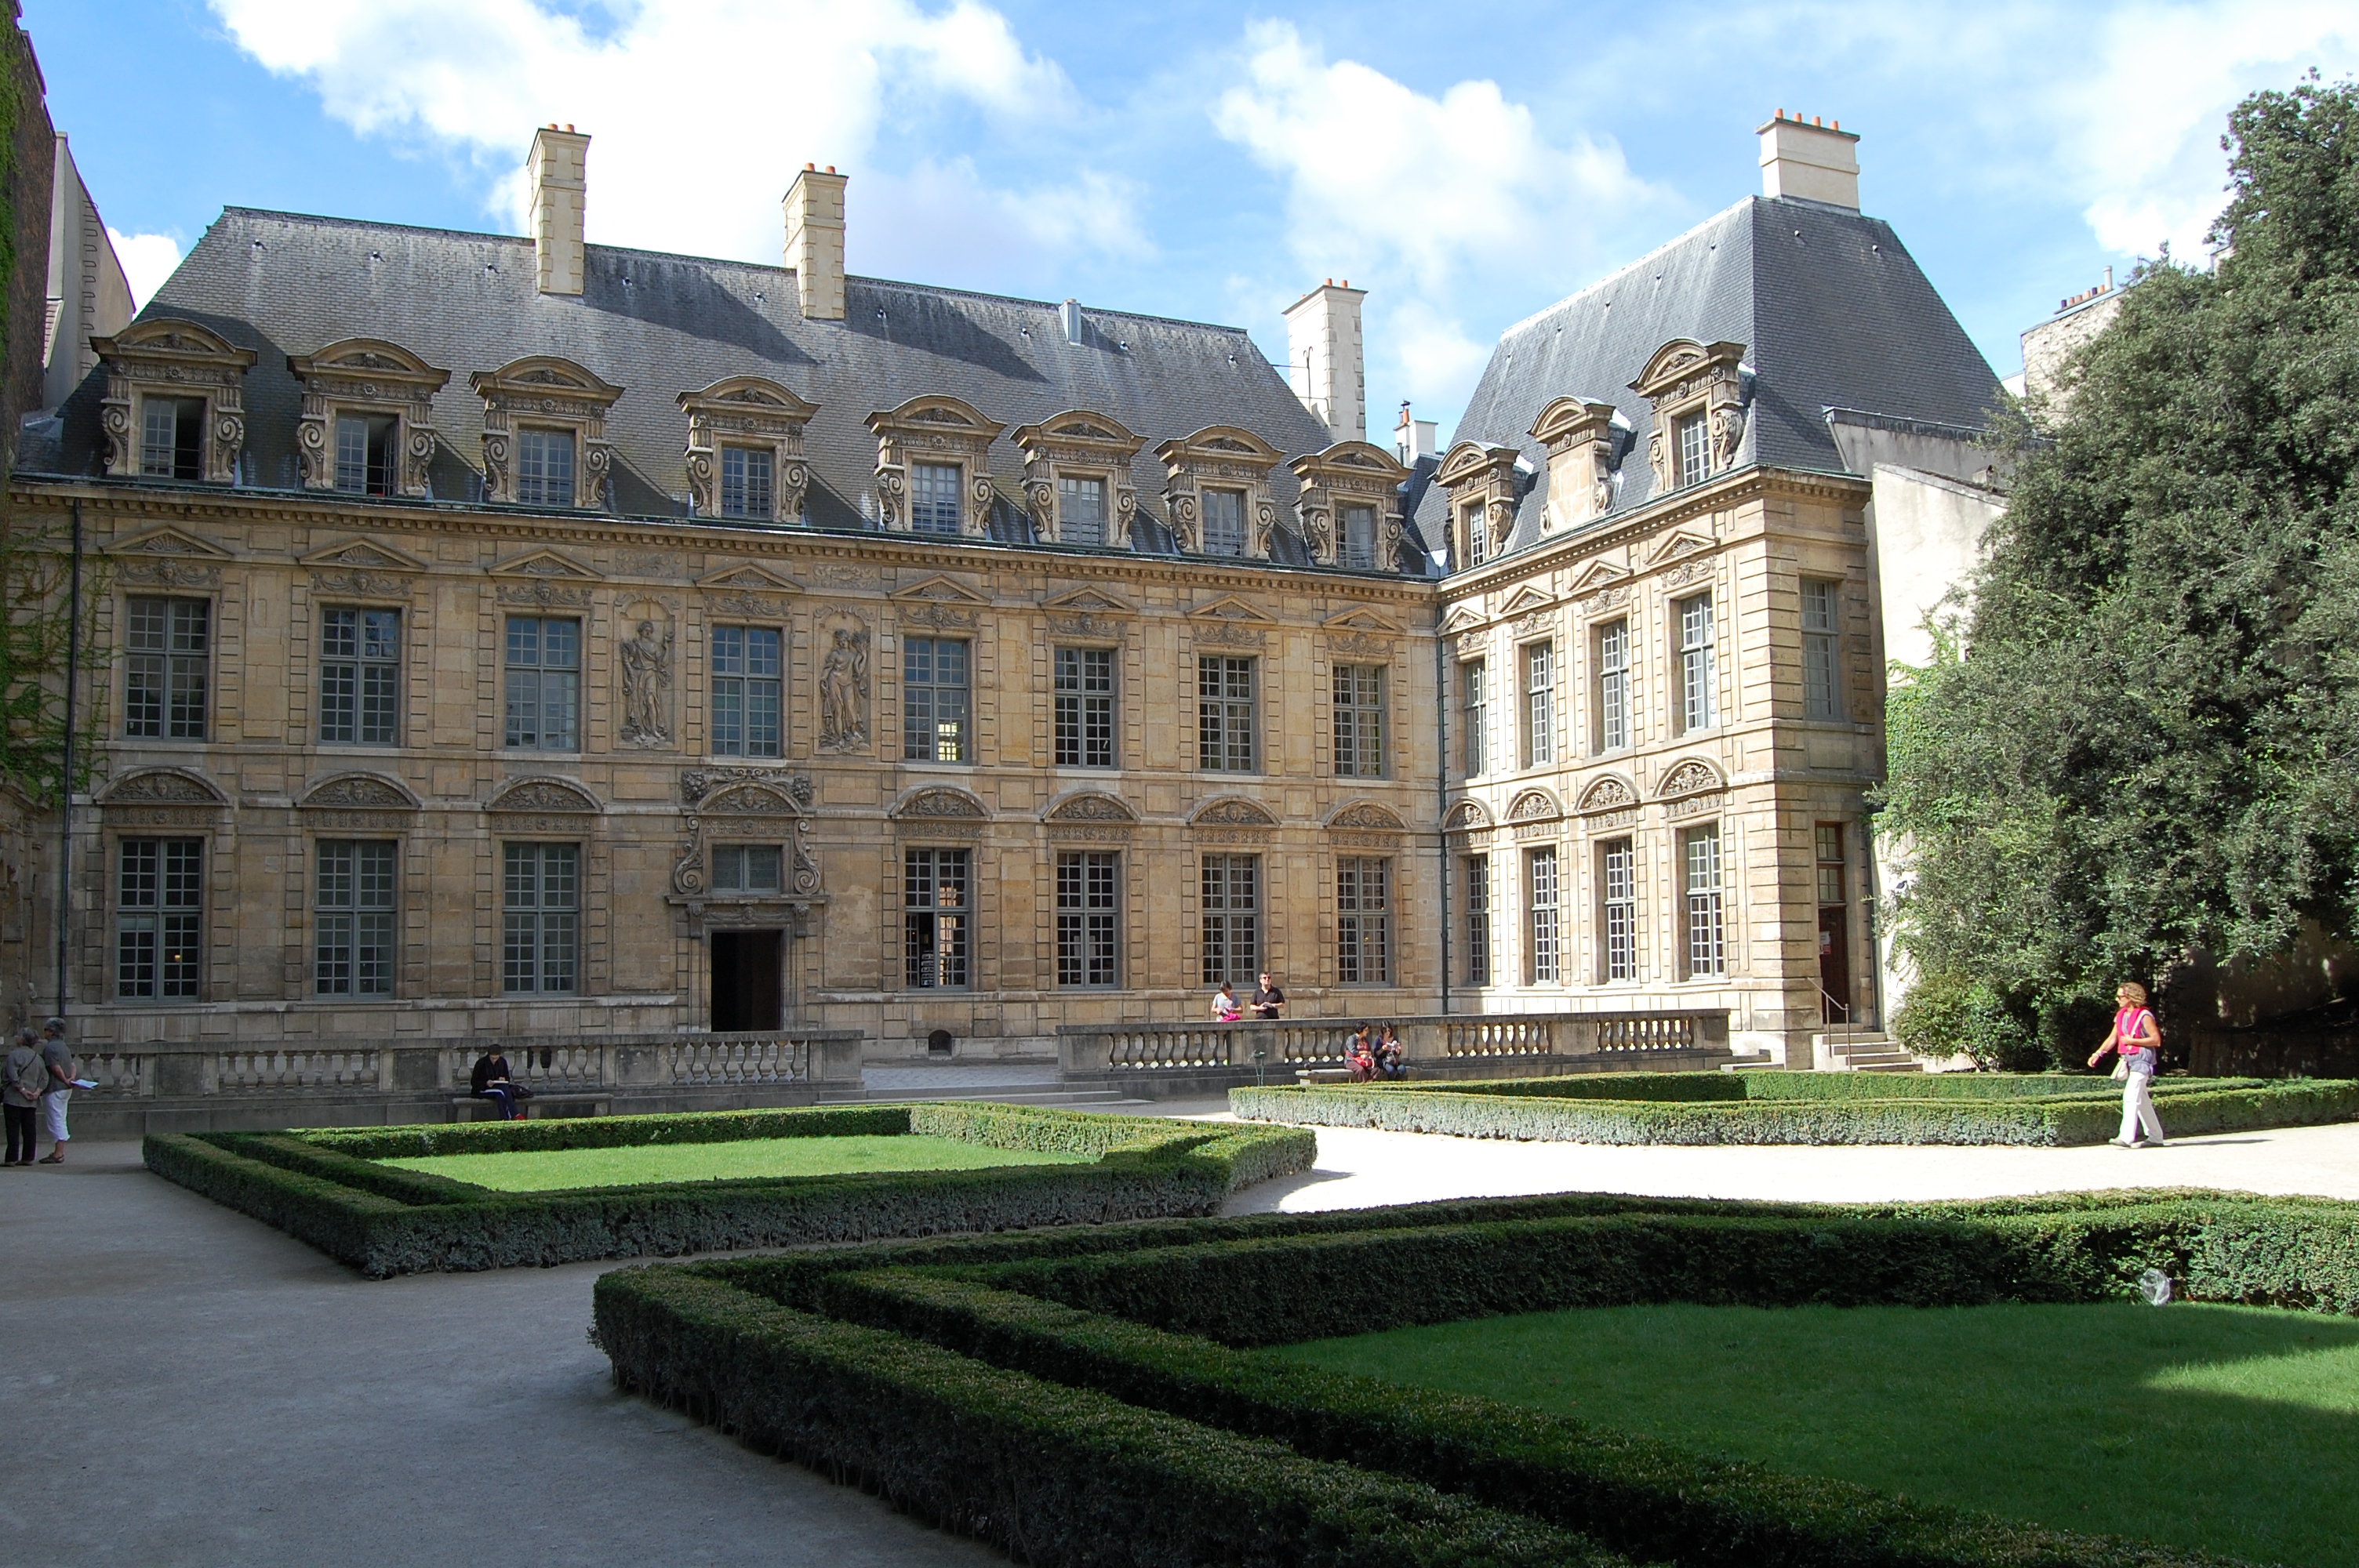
[(1121, 1313), (1585, 1114), (382, 1220)]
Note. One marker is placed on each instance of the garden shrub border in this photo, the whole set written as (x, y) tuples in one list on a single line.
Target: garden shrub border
[(326, 1188), (1646, 1499), (1584, 1112)]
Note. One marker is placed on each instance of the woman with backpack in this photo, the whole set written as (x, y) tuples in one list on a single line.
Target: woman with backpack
[(2136, 1046)]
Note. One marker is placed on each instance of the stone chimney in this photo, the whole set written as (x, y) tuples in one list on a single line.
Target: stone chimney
[(1816, 162), (815, 241), (1413, 438), (1325, 364), (560, 186)]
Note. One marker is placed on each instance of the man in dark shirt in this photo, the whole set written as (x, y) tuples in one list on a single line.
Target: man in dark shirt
[(490, 1081), (1267, 1000)]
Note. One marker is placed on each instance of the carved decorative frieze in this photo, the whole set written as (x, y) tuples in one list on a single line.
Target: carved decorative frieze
[(543, 391), (1221, 458), (756, 414), (1350, 506), (1606, 598), (935, 429), (544, 595), (1088, 628), (167, 573), (367, 379), (939, 802), (1078, 444), (359, 792), (1360, 645), (749, 606), (1611, 793), (165, 358), (543, 795), (164, 787)]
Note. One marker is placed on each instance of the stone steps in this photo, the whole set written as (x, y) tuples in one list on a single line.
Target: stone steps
[(1868, 1051)]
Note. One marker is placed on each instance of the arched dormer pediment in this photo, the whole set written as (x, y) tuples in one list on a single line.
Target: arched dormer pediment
[(391, 390), (1351, 505), (1692, 775), (376, 359), (1578, 435), (1224, 469), (543, 392), (358, 792), (1231, 811), (546, 375), (1095, 450), (761, 415), (940, 431), (164, 787), (175, 338), (175, 403), (544, 796)]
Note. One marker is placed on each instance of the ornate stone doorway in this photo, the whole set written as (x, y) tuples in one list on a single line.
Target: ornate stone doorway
[(747, 975)]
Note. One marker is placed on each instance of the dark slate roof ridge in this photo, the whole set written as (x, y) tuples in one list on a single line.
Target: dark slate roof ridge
[(941, 290)]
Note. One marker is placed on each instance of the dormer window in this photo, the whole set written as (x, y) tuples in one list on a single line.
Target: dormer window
[(1470, 525), (175, 403), (173, 437), (545, 433), (1080, 510), (544, 467), (1695, 449), (1485, 489), (1077, 478), (1696, 394), (364, 444), (1219, 495), (1225, 521), (367, 427), (1351, 507), (1360, 537), (934, 497), (745, 456), (936, 451), (748, 481)]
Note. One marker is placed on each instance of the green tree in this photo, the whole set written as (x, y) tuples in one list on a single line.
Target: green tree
[(2139, 740)]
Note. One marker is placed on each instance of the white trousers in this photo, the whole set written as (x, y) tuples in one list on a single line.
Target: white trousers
[(53, 1115), (2137, 1108)]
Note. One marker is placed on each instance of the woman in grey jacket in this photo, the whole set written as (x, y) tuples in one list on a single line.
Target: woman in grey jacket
[(21, 1094)]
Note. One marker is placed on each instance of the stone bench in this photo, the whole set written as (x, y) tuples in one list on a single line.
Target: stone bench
[(471, 1108)]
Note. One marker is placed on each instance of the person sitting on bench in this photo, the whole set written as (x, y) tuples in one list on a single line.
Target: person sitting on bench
[(490, 1081)]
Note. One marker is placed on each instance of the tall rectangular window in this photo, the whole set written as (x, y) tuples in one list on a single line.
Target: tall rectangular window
[(1084, 681), (160, 904), (1614, 686), (748, 868), (1698, 697), (935, 898), (364, 449), (1081, 510), (1225, 521), (1232, 913), (747, 691), (934, 500), (934, 691), (1478, 546), (1831, 864), (352, 949), (544, 684), (540, 919), (1089, 914), (1542, 963), (360, 677), (1359, 721), (1617, 877), (173, 437), (1364, 921), (749, 481), (1821, 698), (167, 643), (1478, 920), (1474, 709), (1693, 434), (1358, 527), (1700, 856), (1539, 704), (544, 467), (1224, 714)]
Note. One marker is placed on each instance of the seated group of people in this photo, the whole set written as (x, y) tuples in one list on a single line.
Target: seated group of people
[(1375, 1056)]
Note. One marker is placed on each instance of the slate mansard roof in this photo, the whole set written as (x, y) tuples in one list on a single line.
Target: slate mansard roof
[(659, 325), (1831, 310)]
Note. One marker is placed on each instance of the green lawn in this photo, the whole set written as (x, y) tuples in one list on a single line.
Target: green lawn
[(541, 1171), (2233, 1430)]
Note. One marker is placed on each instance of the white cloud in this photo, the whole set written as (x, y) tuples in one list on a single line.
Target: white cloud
[(700, 111), (148, 260)]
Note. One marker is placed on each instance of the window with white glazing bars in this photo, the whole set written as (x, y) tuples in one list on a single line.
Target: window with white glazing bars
[(1618, 874), (1081, 510), (1707, 952), (935, 892), (1698, 673), (1359, 536), (353, 908), (1084, 682), (1614, 686), (1541, 963), (934, 700), (934, 500), (167, 644), (746, 691), (1231, 908), (1089, 914), (360, 677), (1223, 513), (160, 904), (1695, 449), (1478, 920), (544, 467), (749, 481), (1539, 704), (1224, 714), (544, 684), (1474, 709), (1359, 721), (540, 919), (1363, 921), (1820, 696), (1477, 545), (365, 453)]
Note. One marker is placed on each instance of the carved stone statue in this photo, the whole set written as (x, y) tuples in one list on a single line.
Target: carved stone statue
[(647, 677), (843, 692)]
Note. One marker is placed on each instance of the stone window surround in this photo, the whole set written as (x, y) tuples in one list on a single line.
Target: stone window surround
[(546, 392), (1683, 378), (747, 411), (125, 594), (366, 376), (1350, 474), (1473, 474), (1223, 457), (934, 428), (112, 839), (172, 358), (1578, 435), (1078, 443)]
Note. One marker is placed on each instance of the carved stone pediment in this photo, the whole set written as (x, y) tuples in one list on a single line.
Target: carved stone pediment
[(1467, 817), (543, 797), (753, 412), (749, 577), (1220, 457), (543, 390), (1231, 811), (750, 788), (934, 429), (1612, 792), (1366, 815), (547, 565), (358, 792), (164, 787), (1349, 478), (362, 555), (169, 541), (1089, 807), (939, 802), (1693, 776), (1534, 806)]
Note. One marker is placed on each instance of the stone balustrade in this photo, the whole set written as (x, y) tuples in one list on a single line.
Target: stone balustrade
[(1434, 1041)]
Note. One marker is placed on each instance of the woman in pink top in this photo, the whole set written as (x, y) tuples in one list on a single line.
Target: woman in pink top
[(2138, 1044)]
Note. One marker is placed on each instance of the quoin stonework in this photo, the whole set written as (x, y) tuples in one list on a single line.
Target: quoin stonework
[(529, 638)]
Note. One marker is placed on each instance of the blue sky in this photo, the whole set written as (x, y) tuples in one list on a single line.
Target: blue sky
[(1467, 164)]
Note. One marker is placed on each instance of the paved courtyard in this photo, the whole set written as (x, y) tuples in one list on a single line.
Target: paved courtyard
[(188, 1386)]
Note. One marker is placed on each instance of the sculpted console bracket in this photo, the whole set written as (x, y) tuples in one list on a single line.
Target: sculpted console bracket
[(390, 392), (755, 414)]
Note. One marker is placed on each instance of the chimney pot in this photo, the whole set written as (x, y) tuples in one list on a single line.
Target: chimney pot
[(1810, 160), (558, 174), (814, 249)]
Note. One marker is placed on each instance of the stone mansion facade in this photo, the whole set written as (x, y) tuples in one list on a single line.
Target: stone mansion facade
[(523, 637)]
